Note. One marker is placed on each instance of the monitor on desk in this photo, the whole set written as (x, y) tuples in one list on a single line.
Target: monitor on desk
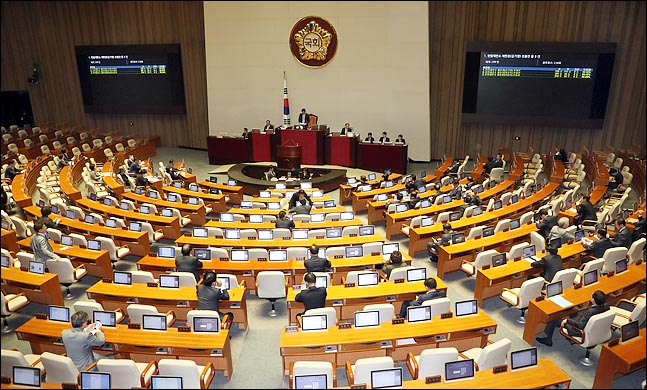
[(37, 267), (382, 197), (367, 279), (366, 188), (167, 212), (488, 231), (371, 176), (169, 281), (231, 182), (425, 203), (112, 223), (478, 189), (621, 266), (465, 308), (144, 209), (154, 322), (455, 216), (458, 237), (6, 261), (314, 322), (590, 277), (317, 194), (246, 204), (423, 174), (95, 380), (447, 199), (67, 241), (265, 234), (329, 204), (70, 214), (498, 259), (422, 189), (107, 318), (317, 217), (5, 225), (89, 219), (321, 281), (232, 234), (278, 255), (528, 251), (177, 184), (166, 382), (138, 190), (333, 232), (497, 205), (460, 369), (353, 251), (629, 331), (264, 194), (122, 277), (400, 208), (515, 224), (418, 313), (415, 274), (306, 185), (214, 191), (387, 378), (427, 221), (319, 381), (367, 230), (365, 319), (579, 234), (26, 376), (524, 358), (213, 179), (389, 248), (93, 197), (193, 201), (388, 184), (273, 205), (477, 211), (255, 218), (106, 202), (224, 282), (352, 180), (172, 198), (553, 289), (514, 199), (167, 252), (135, 226), (206, 324), (58, 313), (556, 242), (200, 232), (226, 217), (346, 216), (153, 194), (239, 255), (322, 252), (202, 253), (280, 186), (300, 234)]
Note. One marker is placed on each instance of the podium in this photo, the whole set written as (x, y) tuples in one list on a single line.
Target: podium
[(288, 156)]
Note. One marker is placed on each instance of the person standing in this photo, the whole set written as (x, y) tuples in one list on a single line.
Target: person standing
[(304, 118), (316, 263), (546, 223), (268, 126), (40, 245), (79, 340), (185, 262)]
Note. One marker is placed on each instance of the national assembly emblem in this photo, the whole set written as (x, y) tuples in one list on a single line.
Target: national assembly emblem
[(313, 42)]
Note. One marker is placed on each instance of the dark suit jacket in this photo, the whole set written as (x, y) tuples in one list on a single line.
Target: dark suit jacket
[(586, 211), (369, 139), (268, 127), (284, 223), (313, 298), (383, 139), (582, 318), (134, 168), (316, 264), (390, 267), (598, 247), (345, 131), (47, 221), (487, 168), (427, 296), (546, 225), (188, 264), (622, 238), (498, 164), (140, 181), (550, 264), (295, 199), (304, 118)]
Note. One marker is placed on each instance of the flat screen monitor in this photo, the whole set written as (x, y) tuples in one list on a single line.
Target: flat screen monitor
[(317, 217), (590, 277), (319, 381), (365, 319), (382, 197), (300, 234), (154, 322), (514, 224), (425, 203), (106, 202), (621, 266), (121, 277), (135, 226), (427, 221), (455, 216), (226, 217), (367, 230), (388, 184), (67, 240), (214, 191), (166, 382), (498, 259), (37, 267), (321, 281), (58, 313), (202, 253), (273, 205), (528, 251), (280, 186), (306, 185), (239, 255), (89, 218), (70, 214), (366, 188), (112, 223), (246, 204), (423, 174), (346, 216), (177, 184), (389, 248), (153, 194), (173, 198), (265, 235), (194, 187), (232, 234), (314, 322), (322, 252), (418, 313), (556, 242), (264, 194), (329, 204), (255, 218), (524, 358), (200, 232), (488, 231), (497, 205), (5, 225), (26, 376), (278, 255), (95, 380), (206, 324), (400, 208), (231, 182), (465, 308), (193, 201), (144, 209), (213, 179), (447, 198), (458, 238), (352, 180), (138, 190), (107, 318), (353, 251), (629, 331), (553, 289), (317, 194), (167, 252), (460, 369), (387, 378), (371, 176), (415, 274), (169, 281), (333, 232), (225, 285), (93, 197), (514, 198), (6, 262), (422, 189), (579, 234), (478, 189), (367, 279), (477, 211), (167, 212)]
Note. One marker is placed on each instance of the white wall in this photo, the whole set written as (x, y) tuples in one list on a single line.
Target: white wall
[(378, 80)]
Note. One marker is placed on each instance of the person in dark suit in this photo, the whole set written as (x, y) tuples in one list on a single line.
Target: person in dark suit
[(123, 177), (46, 220), (11, 171), (400, 140), (615, 179), (623, 235), (487, 167), (297, 196), (384, 138), (246, 133), (430, 293), (597, 247), (79, 342), (578, 321), (546, 223), (312, 297), (585, 211), (209, 295), (173, 171), (639, 227), (369, 138), (316, 263), (498, 163), (472, 199), (187, 263), (283, 221), (550, 264), (561, 155), (414, 199), (433, 245), (304, 118), (135, 168), (140, 180), (302, 207), (346, 129), (394, 261), (268, 126)]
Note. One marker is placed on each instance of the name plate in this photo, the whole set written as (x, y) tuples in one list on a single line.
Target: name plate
[(397, 321), (338, 257), (539, 298), (376, 253), (162, 351), (449, 314), (486, 266), (251, 238), (440, 337), (151, 284), (216, 352), (352, 235), (183, 328), (501, 368), (359, 386), (349, 284), (577, 285), (345, 325), (291, 328), (41, 316), (390, 298), (262, 259), (152, 255), (399, 280), (614, 342), (134, 326), (432, 379), (286, 238), (610, 274), (106, 280), (224, 259)]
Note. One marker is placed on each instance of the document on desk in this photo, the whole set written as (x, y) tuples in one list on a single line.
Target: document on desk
[(406, 341), (561, 301)]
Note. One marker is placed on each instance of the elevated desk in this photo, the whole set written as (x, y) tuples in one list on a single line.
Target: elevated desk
[(312, 144), (138, 344), (341, 150), (619, 360), (235, 193), (9, 239), (44, 289), (228, 150), (378, 157), (625, 285), (263, 147)]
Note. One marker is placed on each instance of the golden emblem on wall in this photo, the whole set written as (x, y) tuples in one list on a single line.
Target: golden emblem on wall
[(313, 41)]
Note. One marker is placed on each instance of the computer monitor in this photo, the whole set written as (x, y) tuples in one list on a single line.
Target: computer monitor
[(95, 380), (455, 216), (556, 242), (26, 376), (239, 255), (382, 197), (423, 174), (206, 324), (246, 204), (366, 188), (177, 184), (465, 308), (418, 313), (524, 358), (255, 218), (629, 331), (447, 198), (425, 203), (621, 266), (273, 205), (460, 369), (278, 254), (389, 248), (367, 279), (415, 274), (329, 204), (346, 216), (514, 198), (214, 191), (579, 234), (553, 289), (166, 382), (193, 201), (144, 209), (300, 234), (167, 212), (388, 184), (122, 277), (167, 252), (458, 237), (112, 223), (528, 251), (138, 190), (371, 176), (107, 318), (67, 240), (478, 189), (89, 218), (427, 221), (265, 234), (231, 182), (200, 232), (498, 260), (280, 186), (135, 226), (154, 322), (58, 313), (153, 194), (314, 322), (400, 208), (213, 179), (5, 225), (353, 251), (333, 232), (93, 197), (317, 194), (528, 192), (232, 234), (319, 381), (264, 194), (352, 180), (387, 378), (321, 281), (317, 217), (224, 283), (590, 277), (365, 319), (169, 281), (106, 202), (477, 211), (322, 252), (497, 205), (202, 253), (488, 231), (422, 189), (5, 261), (514, 224), (368, 230), (70, 214), (95, 245), (173, 198), (37, 267)]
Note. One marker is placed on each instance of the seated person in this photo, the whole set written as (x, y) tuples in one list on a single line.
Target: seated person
[(546, 223), (384, 138), (312, 297), (209, 295), (304, 118), (597, 247), (400, 140), (622, 237), (430, 293), (135, 167), (487, 167), (270, 174), (302, 208), (283, 221), (369, 138), (560, 231), (472, 199), (433, 245), (615, 179), (305, 174), (11, 171), (64, 159), (185, 262), (95, 174), (639, 226), (550, 264), (395, 261), (316, 263), (140, 180), (562, 156), (268, 126), (414, 199), (173, 171), (585, 211), (122, 178), (297, 196), (346, 129), (399, 199), (246, 133)]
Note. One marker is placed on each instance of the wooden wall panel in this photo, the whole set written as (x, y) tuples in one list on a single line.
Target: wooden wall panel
[(46, 32)]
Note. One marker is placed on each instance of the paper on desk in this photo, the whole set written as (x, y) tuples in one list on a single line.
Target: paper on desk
[(561, 301), (407, 341)]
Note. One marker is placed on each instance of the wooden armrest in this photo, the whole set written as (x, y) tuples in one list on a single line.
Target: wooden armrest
[(17, 295), (172, 314), (145, 383), (461, 355), (226, 322), (343, 280), (242, 284), (349, 374), (88, 368), (412, 365), (82, 266), (564, 333), (207, 373), (383, 277), (291, 374), (123, 315)]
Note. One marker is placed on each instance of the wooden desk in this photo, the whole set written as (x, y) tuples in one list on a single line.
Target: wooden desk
[(346, 191), (217, 202), (276, 243), (96, 262), (325, 210), (137, 344), (235, 193), (348, 300), (9, 239), (625, 285), (272, 225), (619, 360), (68, 181), (341, 151), (278, 200), (312, 144), (180, 300), (380, 157), (342, 266), (197, 213), (352, 344), (228, 150), (44, 289), (361, 199)]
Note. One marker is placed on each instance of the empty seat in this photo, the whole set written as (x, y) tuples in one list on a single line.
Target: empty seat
[(430, 362), (271, 285), (136, 311), (127, 374), (10, 304), (193, 376), (493, 354), (67, 273), (59, 368), (520, 297), (360, 372), (300, 368)]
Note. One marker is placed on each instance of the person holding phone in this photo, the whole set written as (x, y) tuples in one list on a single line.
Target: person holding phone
[(81, 338)]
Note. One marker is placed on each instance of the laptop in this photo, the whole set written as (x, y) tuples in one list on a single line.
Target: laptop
[(321, 281), (590, 277), (346, 216), (523, 359), (353, 251), (422, 190), (122, 277), (368, 230), (273, 205), (167, 252), (154, 322), (629, 331), (166, 382), (415, 274), (214, 191), (333, 232), (529, 253), (554, 289), (621, 266), (167, 212), (239, 255), (514, 224), (144, 209), (200, 232), (423, 174), (478, 189), (498, 260), (386, 379), (58, 313), (458, 238), (264, 194), (319, 381), (135, 226), (367, 279), (458, 370), (232, 234), (314, 322), (107, 318), (202, 253), (26, 376), (37, 267), (226, 217), (418, 313), (278, 255), (206, 324), (300, 234), (317, 217), (95, 380), (169, 281), (427, 221), (367, 319), (466, 308)]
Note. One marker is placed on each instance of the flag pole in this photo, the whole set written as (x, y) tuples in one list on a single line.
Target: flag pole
[(286, 102)]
